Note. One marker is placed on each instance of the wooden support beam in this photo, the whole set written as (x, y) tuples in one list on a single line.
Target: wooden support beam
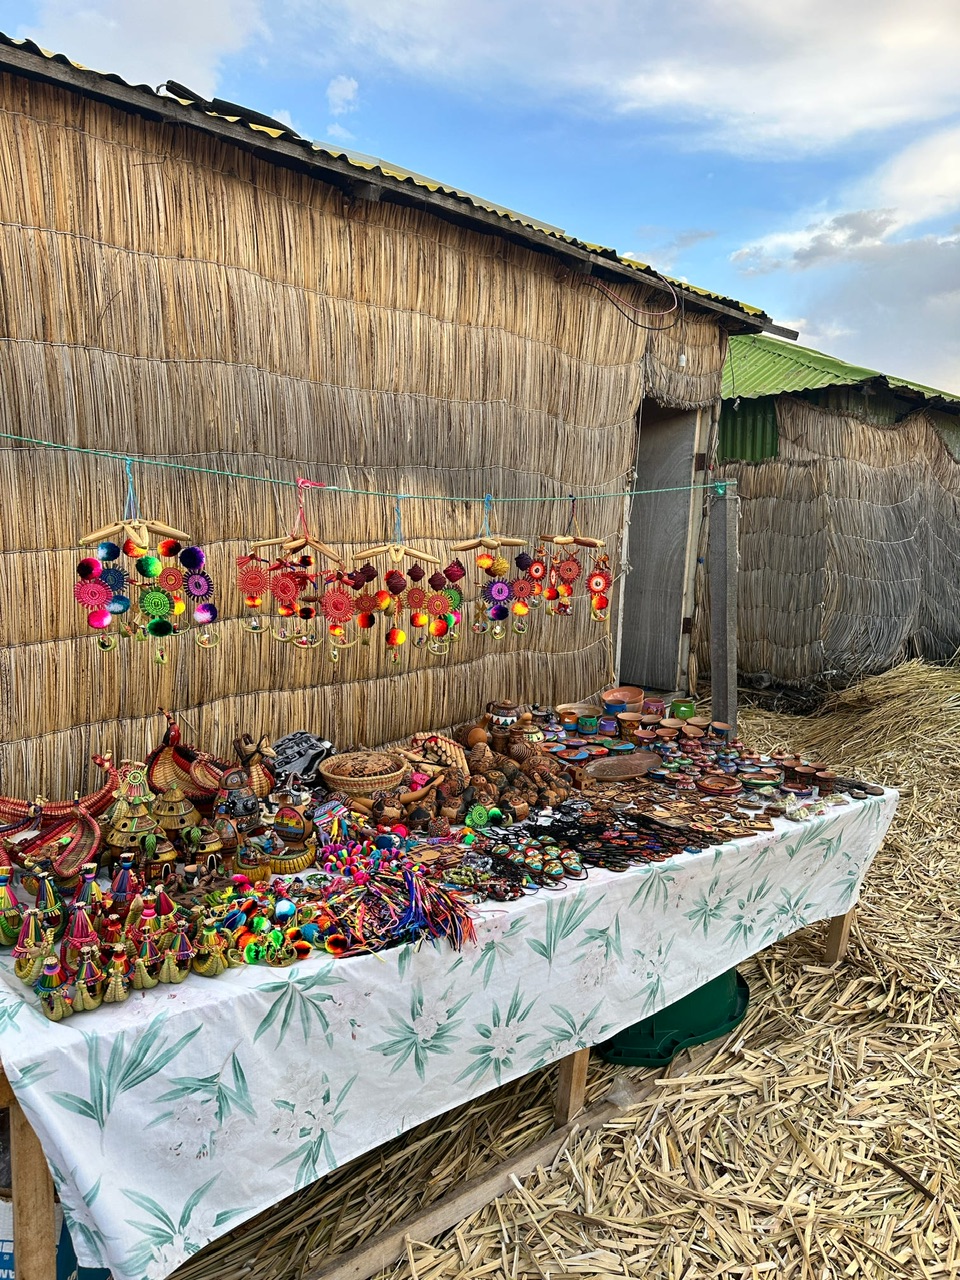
[(385, 1249), (34, 1224), (838, 937), (724, 560), (571, 1087), (6, 1093)]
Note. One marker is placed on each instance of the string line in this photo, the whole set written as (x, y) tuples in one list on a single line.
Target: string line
[(718, 486)]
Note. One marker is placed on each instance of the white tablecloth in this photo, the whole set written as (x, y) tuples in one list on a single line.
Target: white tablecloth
[(173, 1117)]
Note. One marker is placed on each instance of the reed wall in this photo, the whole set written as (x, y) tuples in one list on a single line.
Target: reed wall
[(849, 548), (171, 295)]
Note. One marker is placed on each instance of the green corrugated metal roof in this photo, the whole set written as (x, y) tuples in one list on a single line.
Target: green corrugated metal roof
[(371, 165), (758, 365)]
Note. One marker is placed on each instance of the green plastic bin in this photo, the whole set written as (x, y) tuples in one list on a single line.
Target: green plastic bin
[(711, 1011)]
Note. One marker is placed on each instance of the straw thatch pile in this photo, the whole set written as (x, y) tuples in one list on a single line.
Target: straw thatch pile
[(168, 294), (822, 1139), (849, 548)]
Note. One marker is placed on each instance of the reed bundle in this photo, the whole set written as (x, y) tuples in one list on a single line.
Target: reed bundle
[(171, 295), (849, 548), (822, 1138)]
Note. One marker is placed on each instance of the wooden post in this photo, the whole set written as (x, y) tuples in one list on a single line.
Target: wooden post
[(34, 1224), (838, 937), (724, 559), (571, 1087)]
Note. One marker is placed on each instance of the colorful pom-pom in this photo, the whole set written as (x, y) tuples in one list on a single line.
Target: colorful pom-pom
[(520, 608), (383, 599), (307, 612), (149, 566), (160, 627), (170, 547), (498, 612), (205, 613), (439, 627), (133, 549), (419, 619), (286, 610), (99, 618), (366, 620), (396, 637), (107, 551), (119, 604), (253, 602), (179, 606), (89, 568), (523, 561), (193, 558)]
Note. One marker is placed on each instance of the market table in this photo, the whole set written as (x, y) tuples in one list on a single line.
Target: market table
[(170, 1119)]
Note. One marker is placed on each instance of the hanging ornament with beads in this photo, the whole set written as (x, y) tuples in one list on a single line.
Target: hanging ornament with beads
[(144, 579), (495, 602), (599, 583), (565, 572), (288, 594)]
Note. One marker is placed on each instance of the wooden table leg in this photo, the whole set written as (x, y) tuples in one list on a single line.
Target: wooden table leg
[(571, 1087), (34, 1224), (838, 936)]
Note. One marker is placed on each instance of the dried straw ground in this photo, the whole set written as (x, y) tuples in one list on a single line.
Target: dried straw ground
[(822, 1140)]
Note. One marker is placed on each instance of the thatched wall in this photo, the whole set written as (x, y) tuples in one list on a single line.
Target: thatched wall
[(849, 548), (168, 294)]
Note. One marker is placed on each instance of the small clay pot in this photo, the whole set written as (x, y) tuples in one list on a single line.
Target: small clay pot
[(826, 782), (699, 722), (654, 707), (477, 735), (672, 722), (722, 730), (805, 774), (683, 708)]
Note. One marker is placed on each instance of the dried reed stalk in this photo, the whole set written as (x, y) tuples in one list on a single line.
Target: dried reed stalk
[(849, 548)]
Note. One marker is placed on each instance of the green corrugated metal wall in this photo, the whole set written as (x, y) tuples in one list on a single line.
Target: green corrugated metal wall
[(749, 432)]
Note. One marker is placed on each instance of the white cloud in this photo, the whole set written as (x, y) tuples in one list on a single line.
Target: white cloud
[(150, 41), (919, 184), (752, 77), (284, 116), (342, 95), (337, 133)]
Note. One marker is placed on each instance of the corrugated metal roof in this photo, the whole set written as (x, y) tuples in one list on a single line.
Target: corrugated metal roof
[(758, 365), (370, 165)]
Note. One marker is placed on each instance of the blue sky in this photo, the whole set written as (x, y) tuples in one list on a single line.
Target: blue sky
[(802, 155)]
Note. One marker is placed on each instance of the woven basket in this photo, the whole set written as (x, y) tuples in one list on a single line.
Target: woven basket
[(361, 786)]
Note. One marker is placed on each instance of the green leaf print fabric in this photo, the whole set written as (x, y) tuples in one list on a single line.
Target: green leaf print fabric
[(172, 1118)]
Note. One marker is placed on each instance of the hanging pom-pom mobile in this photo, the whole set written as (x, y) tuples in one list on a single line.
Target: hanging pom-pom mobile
[(144, 579), (497, 600), (433, 609), (290, 584), (565, 571)]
